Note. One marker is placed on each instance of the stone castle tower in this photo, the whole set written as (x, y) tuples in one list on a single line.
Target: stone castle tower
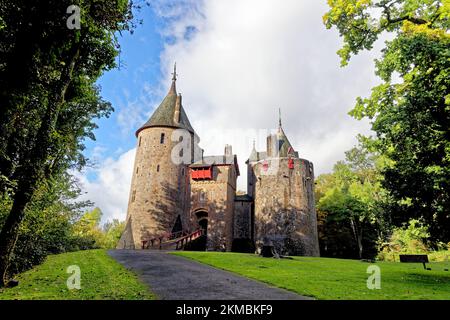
[(159, 194), (171, 198), (282, 187)]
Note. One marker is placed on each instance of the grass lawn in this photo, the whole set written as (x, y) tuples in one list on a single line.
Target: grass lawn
[(326, 278), (101, 278)]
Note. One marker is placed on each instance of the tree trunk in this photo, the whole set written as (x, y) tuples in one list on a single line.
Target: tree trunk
[(31, 171), (10, 230), (358, 237), (360, 246)]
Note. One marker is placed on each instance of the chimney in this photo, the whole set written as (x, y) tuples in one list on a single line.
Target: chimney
[(228, 150), (269, 145), (228, 155)]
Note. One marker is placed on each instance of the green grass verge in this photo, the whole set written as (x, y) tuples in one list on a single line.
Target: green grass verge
[(101, 278), (326, 278)]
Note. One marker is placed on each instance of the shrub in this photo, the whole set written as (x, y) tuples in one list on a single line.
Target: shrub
[(409, 239)]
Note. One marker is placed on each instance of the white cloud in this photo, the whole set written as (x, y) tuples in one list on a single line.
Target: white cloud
[(249, 58), (238, 62), (110, 190), (133, 111)]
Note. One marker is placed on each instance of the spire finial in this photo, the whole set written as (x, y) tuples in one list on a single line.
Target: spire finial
[(279, 117), (174, 74)]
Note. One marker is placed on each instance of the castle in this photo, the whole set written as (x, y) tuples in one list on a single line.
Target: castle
[(175, 189)]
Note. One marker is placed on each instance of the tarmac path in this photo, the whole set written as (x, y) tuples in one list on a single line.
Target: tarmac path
[(173, 277)]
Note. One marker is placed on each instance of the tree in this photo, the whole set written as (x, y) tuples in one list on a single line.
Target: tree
[(351, 201), (47, 227), (113, 230), (48, 94), (88, 228), (410, 110)]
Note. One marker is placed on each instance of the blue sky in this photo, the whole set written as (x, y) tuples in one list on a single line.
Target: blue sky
[(139, 67), (238, 61)]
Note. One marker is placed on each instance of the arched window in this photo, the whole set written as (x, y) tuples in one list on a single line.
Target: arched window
[(162, 138)]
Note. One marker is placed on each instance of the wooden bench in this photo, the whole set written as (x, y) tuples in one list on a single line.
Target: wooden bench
[(415, 258)]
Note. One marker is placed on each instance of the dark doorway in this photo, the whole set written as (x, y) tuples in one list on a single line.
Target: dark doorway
[(200, 243), (203, 223), (202, 220)]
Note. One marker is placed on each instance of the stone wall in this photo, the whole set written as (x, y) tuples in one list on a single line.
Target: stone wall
[(159, 189)]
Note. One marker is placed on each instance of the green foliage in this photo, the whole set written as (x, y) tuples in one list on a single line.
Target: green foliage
[(442, 255), (37, 45), (350, 206), (361, 22), (102, 278), (54, 223), (48, 95), (112, 233), (410, 110), (412, 122), (334, 279), (411, 238), (48, 224), (89, 229)]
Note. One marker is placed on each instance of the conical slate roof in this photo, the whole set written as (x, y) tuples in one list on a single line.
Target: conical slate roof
[(253, 154), (165, 115), (284, 146)]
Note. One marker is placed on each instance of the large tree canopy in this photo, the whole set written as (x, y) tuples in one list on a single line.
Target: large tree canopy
[(410, 110), (48, 96)]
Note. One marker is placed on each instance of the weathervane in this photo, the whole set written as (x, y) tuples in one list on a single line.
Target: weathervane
[(174, 78)]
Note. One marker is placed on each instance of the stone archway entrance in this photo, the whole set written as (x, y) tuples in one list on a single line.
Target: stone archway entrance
[(202, 220), (200, 244)]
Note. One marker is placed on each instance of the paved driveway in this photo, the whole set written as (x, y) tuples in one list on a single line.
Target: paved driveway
[(172, 277)]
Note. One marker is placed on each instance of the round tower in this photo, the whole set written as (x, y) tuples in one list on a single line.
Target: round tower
[(283, 192), (159, 194)]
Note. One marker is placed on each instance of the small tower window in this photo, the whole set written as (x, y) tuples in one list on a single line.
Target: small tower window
[(162, 138), (137, 169), (157, 168), (140, 138), (133, 196), (181, 152), (202, 196)]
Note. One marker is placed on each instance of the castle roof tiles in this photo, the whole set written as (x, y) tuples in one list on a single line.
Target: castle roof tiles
[(170, 112)]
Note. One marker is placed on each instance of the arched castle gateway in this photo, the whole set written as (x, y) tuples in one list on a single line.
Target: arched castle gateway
[(173, 202)]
